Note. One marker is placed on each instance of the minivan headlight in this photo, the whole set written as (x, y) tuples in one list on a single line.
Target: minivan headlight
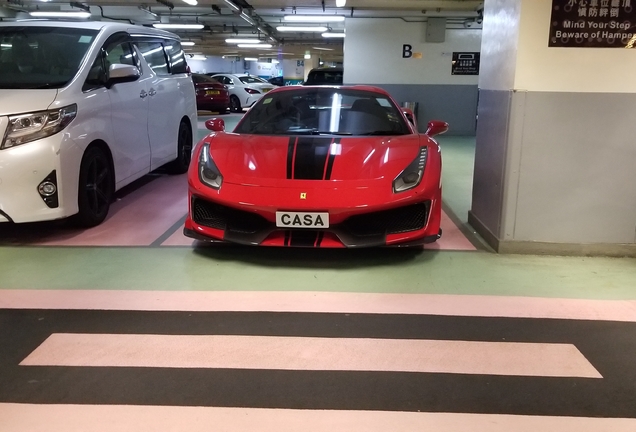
[(209, 174), (24, 128), (412, 175)]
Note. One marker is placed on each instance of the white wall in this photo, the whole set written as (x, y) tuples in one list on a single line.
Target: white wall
[(291, 70), (214, 64), (373, 53), (264, 69)]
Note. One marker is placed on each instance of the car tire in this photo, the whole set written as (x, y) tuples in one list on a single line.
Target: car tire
[(235, 104), (184, 151), (96, 188)]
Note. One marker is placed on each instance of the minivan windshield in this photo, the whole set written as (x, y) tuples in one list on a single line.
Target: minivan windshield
[(324, 111), (41, 57)]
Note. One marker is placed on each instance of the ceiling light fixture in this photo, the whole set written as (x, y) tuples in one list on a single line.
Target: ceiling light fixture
[(250, 59), (315, 29), (323, 49), (191, 2), (333, 35), (314, 18), (258, 46), (187, 43), (179, 26), (43, 14), (248, 19), (243, 41), (233, 6), (341, 3)]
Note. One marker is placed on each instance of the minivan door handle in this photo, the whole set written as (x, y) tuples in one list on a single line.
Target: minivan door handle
[(143, 94), (152, 92)]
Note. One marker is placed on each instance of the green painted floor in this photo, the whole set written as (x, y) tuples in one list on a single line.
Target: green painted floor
[(377, 270)]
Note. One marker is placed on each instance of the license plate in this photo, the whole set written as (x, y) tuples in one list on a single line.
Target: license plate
[(212, 92), (265, 90), (302, 220)]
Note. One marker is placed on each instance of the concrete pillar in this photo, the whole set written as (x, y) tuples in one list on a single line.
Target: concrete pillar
[(556, 139)]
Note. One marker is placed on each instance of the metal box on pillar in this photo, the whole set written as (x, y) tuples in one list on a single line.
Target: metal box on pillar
[(436, 30)]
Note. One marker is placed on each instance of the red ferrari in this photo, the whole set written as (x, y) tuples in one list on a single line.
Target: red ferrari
[(318, 167)]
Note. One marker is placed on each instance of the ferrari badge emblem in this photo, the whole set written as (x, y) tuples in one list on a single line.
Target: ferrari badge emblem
[(303, 195)]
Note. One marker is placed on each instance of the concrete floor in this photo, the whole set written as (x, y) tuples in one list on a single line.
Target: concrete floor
[(170, 336)]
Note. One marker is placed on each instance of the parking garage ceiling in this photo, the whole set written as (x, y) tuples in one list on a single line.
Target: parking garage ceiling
[(223, 19)]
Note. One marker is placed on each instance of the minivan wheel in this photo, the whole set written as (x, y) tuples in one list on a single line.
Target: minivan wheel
[(184, 151), (95, 190), (235, 104)]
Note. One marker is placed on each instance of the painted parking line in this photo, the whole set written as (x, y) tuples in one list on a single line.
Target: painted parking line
[(254, 378), (322, 302), (311, 353), (108, 418)]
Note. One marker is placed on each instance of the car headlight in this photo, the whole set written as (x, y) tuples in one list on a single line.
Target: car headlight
[(209, 174), (412, 175), (24, 128)]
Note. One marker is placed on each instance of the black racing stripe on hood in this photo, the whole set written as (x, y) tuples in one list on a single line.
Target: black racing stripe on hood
[(290, 157), (332, 157), (311, 157)]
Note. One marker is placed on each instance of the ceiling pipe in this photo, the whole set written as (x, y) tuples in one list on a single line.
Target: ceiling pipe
[(252, 19)]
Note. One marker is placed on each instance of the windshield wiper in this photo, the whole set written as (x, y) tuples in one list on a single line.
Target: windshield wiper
[(46, 86), (319, 132)]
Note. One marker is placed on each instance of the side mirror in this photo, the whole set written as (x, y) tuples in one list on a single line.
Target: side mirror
[(215, 124), (436, 127), (119, 73)]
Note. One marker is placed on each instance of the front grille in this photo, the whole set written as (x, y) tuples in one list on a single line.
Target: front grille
[(217, 216), (394, 221)]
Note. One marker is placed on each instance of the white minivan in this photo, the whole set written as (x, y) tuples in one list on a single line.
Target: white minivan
[(85, 109)]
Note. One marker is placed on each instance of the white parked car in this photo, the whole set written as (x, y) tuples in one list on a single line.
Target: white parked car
[(244, 89), (85, 109)]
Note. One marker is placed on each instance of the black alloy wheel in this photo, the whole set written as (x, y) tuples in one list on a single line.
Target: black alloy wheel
[(235, 104), (184, 151), (96, 186)]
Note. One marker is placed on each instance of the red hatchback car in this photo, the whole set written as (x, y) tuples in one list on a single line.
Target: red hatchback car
[(211, 94)]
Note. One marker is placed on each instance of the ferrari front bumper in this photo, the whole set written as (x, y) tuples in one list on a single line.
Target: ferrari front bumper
[(405, 224)]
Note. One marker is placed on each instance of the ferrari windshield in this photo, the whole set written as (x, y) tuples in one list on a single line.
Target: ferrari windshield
[(41, 57), (328, 111)]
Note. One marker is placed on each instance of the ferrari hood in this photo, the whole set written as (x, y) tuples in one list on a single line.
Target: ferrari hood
[(258, 159)]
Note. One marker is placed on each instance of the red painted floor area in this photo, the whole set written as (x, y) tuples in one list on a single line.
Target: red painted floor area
[(150, 213)]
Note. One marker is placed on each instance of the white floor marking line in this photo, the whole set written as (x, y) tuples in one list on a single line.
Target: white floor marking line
[(109, 418), (327, 302), (311, 353)]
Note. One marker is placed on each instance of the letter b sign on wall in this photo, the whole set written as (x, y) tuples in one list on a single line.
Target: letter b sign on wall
[(407, 51)]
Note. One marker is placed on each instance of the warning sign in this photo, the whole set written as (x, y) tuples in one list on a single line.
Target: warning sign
[(593, 24)]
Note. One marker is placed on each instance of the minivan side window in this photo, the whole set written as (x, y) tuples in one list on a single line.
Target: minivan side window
[(177, 57), (155, 56), (112, 53), (120, 53)]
